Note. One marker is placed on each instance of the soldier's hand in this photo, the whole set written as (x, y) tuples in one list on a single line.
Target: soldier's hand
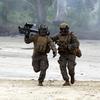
[(26, 35), (54, 54)]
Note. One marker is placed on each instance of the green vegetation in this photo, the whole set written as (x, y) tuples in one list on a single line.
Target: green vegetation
[(18, 12)]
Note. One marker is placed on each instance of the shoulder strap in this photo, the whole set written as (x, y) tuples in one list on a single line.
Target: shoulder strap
[(69, 37)]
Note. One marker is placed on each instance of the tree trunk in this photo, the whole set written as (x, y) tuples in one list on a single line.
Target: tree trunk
[(4, 12), (41, 11)]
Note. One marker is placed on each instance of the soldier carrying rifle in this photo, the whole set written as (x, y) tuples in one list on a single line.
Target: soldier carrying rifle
[(42, 45)]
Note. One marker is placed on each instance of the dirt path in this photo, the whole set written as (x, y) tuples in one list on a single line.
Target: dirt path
[(52, 90)]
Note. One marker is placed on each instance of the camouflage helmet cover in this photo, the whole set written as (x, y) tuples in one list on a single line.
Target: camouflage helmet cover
[(64, 26), (43, 29)]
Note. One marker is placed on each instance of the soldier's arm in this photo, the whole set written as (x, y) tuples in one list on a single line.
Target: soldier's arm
[(52, 46), (55, 38), (74, 41), (29, 39)]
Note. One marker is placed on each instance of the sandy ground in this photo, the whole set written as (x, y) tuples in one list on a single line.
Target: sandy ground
[(16, 73), (52, 90)]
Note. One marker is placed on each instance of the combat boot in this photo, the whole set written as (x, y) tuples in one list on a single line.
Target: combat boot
[(66, 83), (40, 84), (72, 80)]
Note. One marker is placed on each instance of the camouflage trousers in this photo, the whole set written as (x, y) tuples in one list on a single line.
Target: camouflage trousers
[(40, 63), (67, 65)]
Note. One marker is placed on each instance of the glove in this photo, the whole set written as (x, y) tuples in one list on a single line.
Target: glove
[(54, 54), (26, 35)]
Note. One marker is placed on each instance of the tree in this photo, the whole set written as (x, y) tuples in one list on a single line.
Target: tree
[(5, 11), (41, 10)]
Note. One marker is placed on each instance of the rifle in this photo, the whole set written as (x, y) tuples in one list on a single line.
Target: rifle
[(27, 29)]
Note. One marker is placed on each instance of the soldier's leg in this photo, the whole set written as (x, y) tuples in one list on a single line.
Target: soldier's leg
[(62, 61), (43, 67), (71, 67), (35, 63)]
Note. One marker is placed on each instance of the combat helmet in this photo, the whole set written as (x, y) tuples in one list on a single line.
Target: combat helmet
[(64, 26), (43, 29), (64, 29)]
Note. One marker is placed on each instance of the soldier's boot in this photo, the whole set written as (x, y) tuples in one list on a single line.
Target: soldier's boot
[(66, 83), (72, 79), (40, 83)]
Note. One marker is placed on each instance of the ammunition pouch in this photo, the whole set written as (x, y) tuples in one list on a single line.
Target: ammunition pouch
[(76, 52)]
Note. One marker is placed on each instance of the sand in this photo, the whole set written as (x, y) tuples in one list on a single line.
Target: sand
[(52, 90)]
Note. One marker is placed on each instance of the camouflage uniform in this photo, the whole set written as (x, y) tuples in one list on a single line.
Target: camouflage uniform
[(40, 60), (67, 54)]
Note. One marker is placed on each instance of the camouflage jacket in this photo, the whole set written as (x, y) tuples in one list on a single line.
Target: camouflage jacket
[(33, 39), (66, 43)]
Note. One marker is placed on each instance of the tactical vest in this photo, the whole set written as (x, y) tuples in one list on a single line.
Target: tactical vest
[(42, 45), (63, 42)]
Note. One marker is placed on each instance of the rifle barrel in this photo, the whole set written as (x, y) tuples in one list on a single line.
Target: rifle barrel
[(35, 31)]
